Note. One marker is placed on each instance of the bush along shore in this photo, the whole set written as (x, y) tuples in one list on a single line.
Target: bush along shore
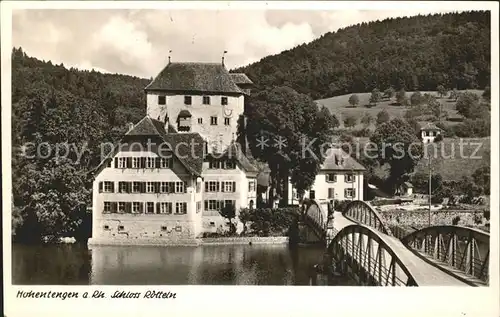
[(261, 225)]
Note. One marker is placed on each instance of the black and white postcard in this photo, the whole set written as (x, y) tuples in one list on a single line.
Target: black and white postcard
[(169, 157)]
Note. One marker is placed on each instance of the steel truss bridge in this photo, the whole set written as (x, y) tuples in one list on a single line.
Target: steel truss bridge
[(359, 243)]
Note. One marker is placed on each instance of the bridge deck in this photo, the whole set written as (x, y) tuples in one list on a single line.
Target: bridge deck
[(424, 273)]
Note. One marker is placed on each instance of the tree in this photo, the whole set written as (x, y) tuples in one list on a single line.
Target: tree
[(375, 97), (282, 114), (382, 117), (399, 147), (245, 216), (442, 91), (487, 94), (481, 177), (470, 189), (354, 100), (401, 97), (228, 211), (468, 105), (416, 99), (350, 121), (366, 120), (389, 93), (454, 94)]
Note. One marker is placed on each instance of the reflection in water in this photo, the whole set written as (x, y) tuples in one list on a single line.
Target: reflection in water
[(139, 265)]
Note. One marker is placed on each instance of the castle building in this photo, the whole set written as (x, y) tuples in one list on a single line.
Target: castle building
[(167, 178)]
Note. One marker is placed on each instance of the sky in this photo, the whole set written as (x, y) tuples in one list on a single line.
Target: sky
[(137, 42)]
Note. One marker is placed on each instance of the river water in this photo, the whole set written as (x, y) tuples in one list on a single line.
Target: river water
[(73, 264)]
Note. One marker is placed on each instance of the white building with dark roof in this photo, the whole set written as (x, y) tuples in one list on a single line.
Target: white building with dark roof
[(169, 176), (340, 178), (429, 132)]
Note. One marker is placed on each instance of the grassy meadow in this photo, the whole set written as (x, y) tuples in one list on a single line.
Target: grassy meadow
[(340, 107), (448, 159)]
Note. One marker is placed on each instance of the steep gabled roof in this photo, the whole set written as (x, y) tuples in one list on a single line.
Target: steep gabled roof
[(148, 127), (241, 79), (234, 151), (429, 126), (338, 160), (198, 77), (187, 147)]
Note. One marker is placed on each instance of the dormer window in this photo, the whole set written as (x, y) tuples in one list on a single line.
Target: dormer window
[(162, 100), (184, 121), (223, 101), (206, 100), (187, 100)]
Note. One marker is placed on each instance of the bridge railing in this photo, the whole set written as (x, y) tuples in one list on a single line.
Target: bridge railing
[(462, 248), (360, 212), (363, 252), (314, 216)]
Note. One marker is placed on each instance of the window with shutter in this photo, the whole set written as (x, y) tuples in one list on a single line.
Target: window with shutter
[(331, 192), (331, 178), (114, 206), (223, 189), (100, 187), (136, 162), (234, 187), (107, 207), (129, 162), (116, 162)]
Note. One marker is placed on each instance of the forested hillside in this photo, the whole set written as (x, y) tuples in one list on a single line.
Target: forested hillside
[(416, 53), (56, 109)]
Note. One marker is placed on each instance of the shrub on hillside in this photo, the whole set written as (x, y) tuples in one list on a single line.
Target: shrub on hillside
[(455, 220), (448, 131), (366, 120), (382, 117), (350, 121), (416, 99), (478, 128), (362, 133), (354, 100)]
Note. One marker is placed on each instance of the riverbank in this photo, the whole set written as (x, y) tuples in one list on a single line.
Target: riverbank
[(192, 242)]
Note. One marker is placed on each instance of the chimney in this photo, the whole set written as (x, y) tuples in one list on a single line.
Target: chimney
[(130, 126), (223, 57), (169, 52)]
